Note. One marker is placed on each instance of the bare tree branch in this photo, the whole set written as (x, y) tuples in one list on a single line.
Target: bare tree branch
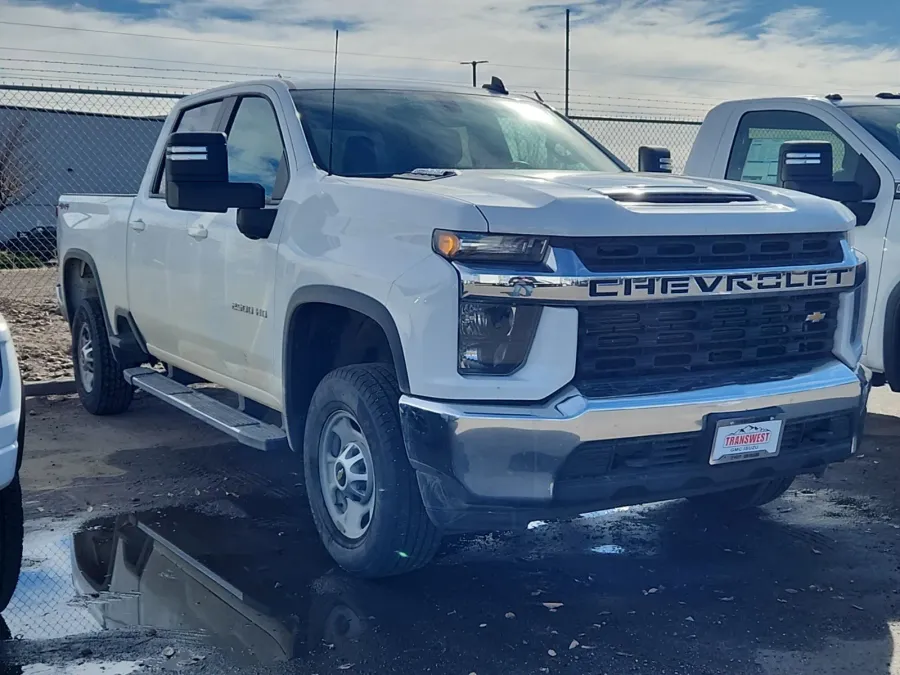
[(14, 183)]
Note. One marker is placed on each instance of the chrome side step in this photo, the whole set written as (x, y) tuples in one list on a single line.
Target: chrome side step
[(239, 425)]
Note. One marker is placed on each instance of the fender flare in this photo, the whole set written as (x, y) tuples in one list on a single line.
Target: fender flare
[(86, 258), (358, 302), (121, 347), (892, 339)]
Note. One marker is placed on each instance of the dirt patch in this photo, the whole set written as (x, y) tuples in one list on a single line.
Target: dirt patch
[(41, 337)]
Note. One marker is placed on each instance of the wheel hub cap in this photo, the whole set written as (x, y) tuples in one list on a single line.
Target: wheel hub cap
[(345, 471)]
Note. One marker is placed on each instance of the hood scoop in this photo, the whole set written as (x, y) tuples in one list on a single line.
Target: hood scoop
[(652, 194)]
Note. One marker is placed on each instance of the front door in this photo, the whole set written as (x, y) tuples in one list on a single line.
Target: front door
[(754, 158), (239, 272)]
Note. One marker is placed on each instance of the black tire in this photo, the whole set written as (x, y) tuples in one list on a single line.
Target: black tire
[(400, 537), (12, 532), (747, 497), (108, 393)]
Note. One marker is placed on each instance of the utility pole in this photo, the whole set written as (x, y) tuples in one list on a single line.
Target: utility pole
[(474, 65), (567, 61)]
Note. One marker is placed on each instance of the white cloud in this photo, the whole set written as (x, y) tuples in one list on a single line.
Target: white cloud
[(657, 57)]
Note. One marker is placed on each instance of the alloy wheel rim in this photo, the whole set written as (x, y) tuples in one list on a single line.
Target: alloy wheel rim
[(86, 358)]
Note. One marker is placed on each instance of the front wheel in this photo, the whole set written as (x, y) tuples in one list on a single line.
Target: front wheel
[(12, 532), (99, 380), (362, 490), (747, 497)]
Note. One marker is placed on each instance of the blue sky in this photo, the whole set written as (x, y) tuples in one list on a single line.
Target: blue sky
[(674, 56)]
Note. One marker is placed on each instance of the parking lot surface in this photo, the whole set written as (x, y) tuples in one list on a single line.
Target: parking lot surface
[(155, 545)]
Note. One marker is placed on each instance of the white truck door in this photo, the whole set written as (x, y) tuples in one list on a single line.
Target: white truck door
[(238, 272), (757, 137), (164, 290)]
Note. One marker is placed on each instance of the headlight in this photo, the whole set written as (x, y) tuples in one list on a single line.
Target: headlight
[(489, 248), (494, 338)]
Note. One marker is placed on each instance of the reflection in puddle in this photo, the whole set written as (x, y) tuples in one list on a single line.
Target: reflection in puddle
[(608, 549), (94, 668), (41, 607)]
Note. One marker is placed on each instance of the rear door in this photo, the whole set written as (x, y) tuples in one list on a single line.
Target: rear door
[(164, 289)]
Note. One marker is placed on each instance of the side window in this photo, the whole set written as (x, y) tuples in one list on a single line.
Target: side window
[(255, 148), (201, 118), (754, 155)]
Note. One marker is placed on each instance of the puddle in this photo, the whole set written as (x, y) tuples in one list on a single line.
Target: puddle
[(93, 668), (41, 607)]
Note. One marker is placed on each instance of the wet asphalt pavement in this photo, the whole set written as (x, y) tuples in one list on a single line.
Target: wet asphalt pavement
[(156, 545)]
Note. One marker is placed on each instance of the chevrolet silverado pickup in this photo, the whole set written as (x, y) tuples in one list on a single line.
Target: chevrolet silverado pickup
[(463, 314), (741, 140)]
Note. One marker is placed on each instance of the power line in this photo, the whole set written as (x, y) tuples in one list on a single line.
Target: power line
[(395, 56), (81, 66), (287, 68)]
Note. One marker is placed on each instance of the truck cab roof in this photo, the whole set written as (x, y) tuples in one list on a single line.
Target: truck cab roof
[(322, 82), (836, 99)]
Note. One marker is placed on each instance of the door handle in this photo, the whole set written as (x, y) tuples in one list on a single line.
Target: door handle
[(198, 232), (138, 225)]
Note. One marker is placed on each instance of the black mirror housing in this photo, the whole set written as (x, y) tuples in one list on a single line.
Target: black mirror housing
[(197, 176), (654, 160), (807, 166)]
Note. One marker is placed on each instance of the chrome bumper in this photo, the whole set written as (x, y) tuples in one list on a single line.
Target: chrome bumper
[(510, 453)]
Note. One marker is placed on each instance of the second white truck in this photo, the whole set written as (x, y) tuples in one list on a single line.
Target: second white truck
[(462, 313), (742, 140)]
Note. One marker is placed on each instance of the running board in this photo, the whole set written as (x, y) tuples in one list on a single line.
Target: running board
[(240, 426)]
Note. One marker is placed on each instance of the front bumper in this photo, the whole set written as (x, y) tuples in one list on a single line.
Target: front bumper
[(486, 467)]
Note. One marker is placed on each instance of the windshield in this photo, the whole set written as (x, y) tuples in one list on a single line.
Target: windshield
[(383, 133), (882, 121)]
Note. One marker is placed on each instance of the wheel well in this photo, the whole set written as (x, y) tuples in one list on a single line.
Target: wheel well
[(323, 337), (79, 282)]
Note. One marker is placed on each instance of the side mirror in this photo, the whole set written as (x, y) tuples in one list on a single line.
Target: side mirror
[(806, 166), (654, 160), (197, 176)]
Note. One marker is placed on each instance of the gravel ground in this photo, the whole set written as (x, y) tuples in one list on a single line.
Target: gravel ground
[(156, 545), (41, 335)]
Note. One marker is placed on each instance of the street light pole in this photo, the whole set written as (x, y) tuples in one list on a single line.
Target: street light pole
[(474, 65), (567, 62)]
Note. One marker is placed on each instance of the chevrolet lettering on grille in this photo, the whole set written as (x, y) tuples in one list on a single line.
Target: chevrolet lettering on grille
[(721, 284)]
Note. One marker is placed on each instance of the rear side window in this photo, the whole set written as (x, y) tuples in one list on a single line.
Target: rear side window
[(200, 118), (754, 155)]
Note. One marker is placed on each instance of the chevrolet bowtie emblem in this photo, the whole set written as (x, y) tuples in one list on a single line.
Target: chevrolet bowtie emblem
[(815, 317)]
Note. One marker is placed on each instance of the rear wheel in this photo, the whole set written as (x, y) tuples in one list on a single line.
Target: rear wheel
[(12, 532), (747, 497), (98, 377), (362, 490)]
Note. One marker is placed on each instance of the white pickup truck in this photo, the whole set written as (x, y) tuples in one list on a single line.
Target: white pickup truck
[(463, 313), (741, 140)]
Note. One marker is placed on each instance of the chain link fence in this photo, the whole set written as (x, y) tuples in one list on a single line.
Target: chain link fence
[(624, 135), (57, 140)]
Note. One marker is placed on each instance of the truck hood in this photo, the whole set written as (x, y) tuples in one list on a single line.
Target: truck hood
[(609, 204)]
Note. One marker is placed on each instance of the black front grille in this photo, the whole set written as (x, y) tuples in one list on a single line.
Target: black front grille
[(599, 459), (643, 348), (688, 253)]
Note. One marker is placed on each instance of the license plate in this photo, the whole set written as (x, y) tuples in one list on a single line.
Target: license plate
[(740, 441)]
